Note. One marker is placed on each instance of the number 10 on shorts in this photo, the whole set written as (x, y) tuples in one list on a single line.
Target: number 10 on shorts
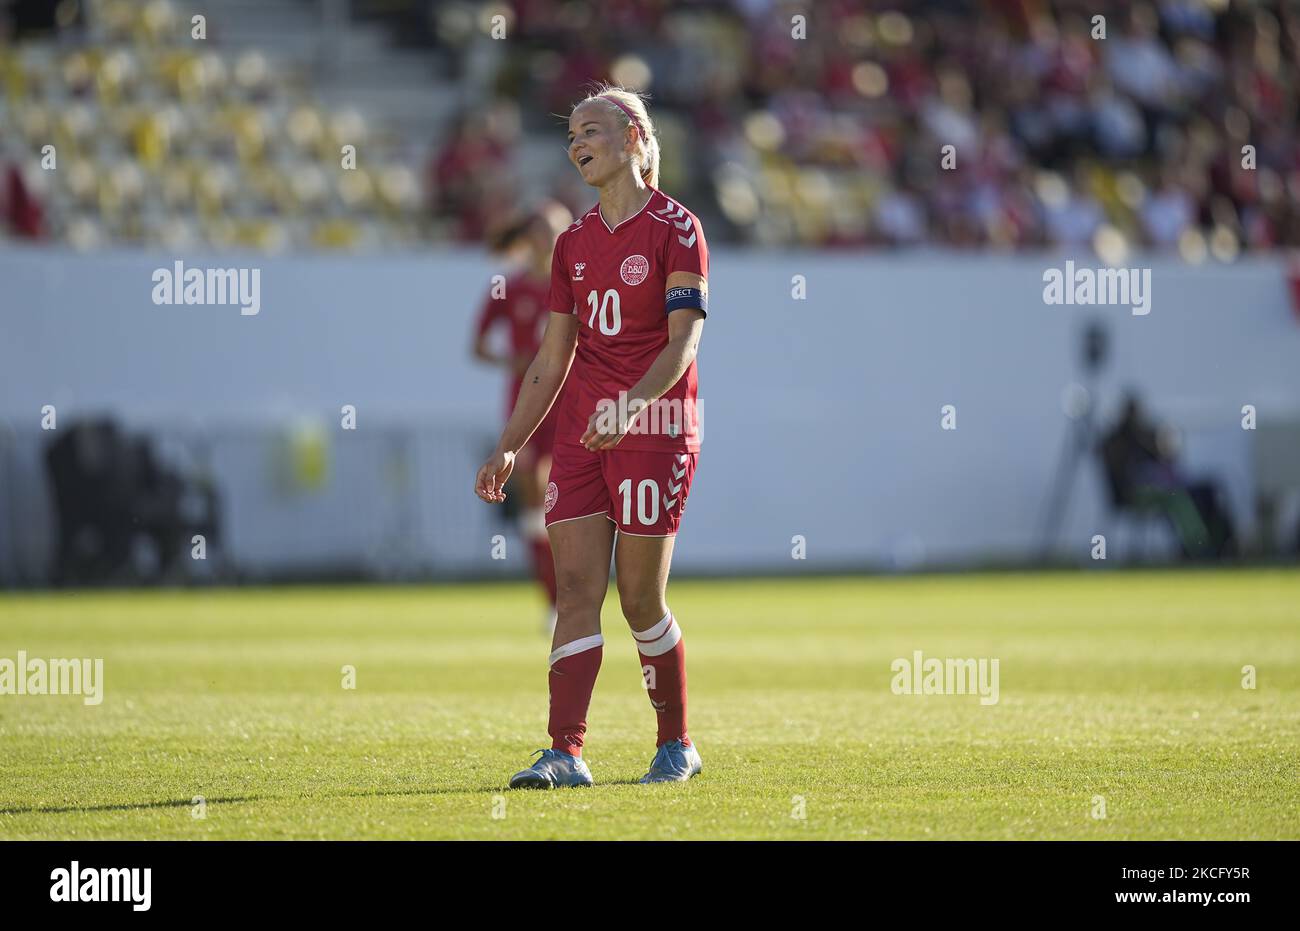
[(642, 491), (647, 501)]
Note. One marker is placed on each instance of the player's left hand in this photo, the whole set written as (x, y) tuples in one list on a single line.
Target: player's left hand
[(597, 438)]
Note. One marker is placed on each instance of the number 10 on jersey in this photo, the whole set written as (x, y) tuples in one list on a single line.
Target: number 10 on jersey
[(606, 305)]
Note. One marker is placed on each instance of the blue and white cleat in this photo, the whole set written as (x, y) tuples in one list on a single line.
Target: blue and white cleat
[(554, 769), (674, 762)]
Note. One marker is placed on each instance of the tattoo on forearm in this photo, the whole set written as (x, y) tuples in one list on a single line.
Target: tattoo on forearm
[(536, 379)]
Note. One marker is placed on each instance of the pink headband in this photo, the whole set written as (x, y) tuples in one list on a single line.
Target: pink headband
[(630, 115)]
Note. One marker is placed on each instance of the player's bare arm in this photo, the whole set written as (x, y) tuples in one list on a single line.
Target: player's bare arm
[(684, 330), (542, 382)]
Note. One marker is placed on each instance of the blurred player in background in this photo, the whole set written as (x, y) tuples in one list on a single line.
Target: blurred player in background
[(628, 298), (520, 308)]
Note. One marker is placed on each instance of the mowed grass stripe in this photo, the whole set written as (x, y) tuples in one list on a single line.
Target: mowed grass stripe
[(1125, 685)]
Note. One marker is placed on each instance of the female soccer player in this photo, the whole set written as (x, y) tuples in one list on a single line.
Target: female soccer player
[(520, 306), (628, 298)]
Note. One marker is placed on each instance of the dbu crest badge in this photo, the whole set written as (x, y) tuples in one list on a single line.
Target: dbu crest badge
[(634, 270)]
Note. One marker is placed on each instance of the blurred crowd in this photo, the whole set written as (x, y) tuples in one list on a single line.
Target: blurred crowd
[(116, 128), (1005, 124), (835, 135)]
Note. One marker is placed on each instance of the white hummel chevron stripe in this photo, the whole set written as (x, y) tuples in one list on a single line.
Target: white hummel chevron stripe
[(669, 505), (682, 457), (674, 488), (677, 474), (681, 220)]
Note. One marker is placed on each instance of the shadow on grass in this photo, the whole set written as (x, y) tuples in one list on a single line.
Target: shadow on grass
[(121, 806), (238, 799)]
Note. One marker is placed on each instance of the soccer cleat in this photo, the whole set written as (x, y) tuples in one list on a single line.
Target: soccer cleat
[(674, 762), (554, 769)]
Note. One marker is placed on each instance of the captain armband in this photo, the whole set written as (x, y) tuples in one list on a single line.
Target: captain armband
[(686, 299)]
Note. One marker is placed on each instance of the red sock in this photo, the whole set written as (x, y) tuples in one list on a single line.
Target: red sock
[(663, 666), (573, 676), (544, 566)]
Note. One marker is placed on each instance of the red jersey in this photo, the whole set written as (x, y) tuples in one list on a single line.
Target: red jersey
[(615, 281), (523, 309)]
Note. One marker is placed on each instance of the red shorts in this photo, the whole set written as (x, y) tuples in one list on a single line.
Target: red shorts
[(643, 493)]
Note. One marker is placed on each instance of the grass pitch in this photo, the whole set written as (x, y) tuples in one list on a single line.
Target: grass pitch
[(1123, 686)]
